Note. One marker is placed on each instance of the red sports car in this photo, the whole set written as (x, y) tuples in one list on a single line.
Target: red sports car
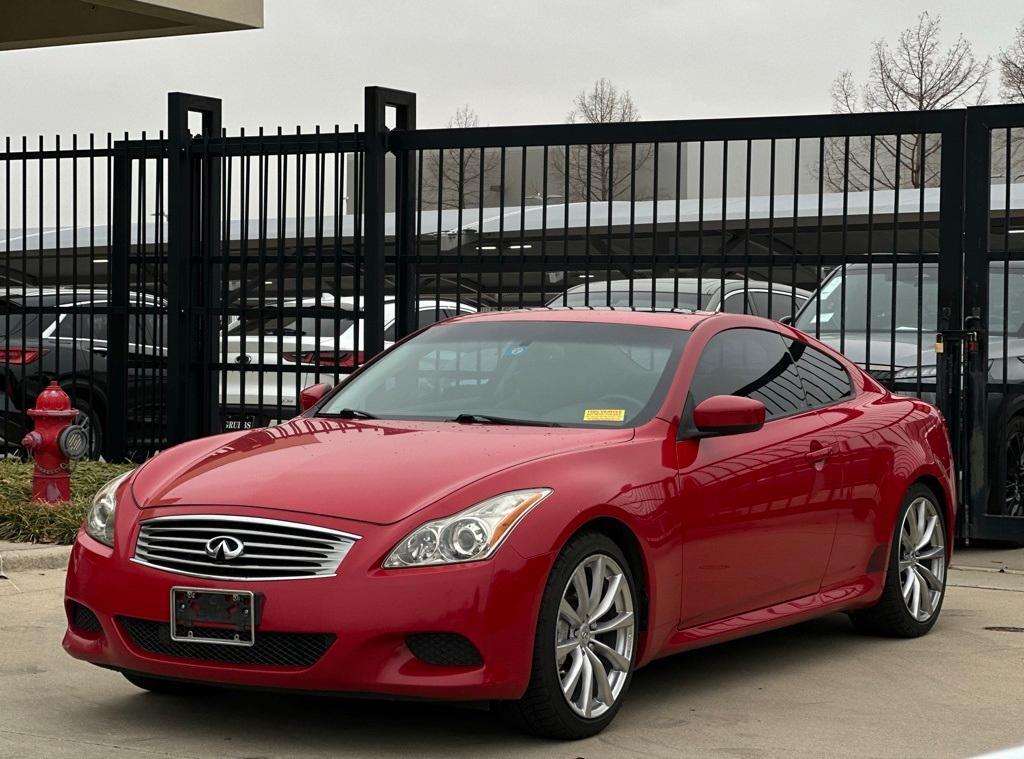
[(524, 507)]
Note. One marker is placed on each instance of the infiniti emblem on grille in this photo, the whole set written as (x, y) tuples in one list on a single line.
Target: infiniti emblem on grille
[(224, 548)]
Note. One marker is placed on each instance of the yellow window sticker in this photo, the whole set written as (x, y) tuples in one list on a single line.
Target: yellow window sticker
[(604, 415)]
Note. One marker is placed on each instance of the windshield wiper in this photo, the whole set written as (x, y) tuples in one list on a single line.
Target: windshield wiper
[(489, 419), (348, 413)]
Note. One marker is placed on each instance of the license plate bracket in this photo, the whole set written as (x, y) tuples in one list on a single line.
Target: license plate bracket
[(209, 615)]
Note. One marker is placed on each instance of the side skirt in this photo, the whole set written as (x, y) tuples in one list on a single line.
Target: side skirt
[(856, 594)]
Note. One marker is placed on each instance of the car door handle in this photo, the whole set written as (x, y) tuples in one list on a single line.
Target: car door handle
[(819, 453)]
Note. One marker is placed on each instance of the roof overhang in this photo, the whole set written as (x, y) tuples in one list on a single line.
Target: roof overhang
[(42, 23)]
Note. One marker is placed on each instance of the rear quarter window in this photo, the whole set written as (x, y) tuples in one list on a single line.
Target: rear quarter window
[(825, 380)]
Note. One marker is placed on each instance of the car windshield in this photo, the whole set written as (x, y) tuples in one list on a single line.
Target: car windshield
[(842, 303), (600, 297), (559, 373)]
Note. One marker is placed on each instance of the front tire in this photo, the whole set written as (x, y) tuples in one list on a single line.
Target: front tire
[(915, 583), (585, 645)]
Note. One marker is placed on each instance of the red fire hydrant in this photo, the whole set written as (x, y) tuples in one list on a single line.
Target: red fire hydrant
[(55, 444)]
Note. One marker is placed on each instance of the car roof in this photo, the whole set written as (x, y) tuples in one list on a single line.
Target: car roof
[(671, 319), (48, 296), (642, 284)]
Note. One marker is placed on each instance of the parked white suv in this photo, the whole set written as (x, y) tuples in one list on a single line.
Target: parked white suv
[(287, 353)]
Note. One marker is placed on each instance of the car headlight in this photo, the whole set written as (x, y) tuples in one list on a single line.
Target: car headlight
[(928, 371), (471, 535), (99, 522)]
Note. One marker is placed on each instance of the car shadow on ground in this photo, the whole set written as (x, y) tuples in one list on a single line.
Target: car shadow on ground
[(247, 720)]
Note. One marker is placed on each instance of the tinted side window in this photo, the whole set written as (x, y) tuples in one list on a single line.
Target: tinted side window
[(429, 316), (825, 380), (753, 363), (733, 304), (760, 302), (782, 305), (84, 327), (141, 329), (425, 317)]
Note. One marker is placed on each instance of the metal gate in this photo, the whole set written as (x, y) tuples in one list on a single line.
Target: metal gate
[(862, 215), (992, 463), (232, 271)]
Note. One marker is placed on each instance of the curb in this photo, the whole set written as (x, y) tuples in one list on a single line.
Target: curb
[(21, 557)]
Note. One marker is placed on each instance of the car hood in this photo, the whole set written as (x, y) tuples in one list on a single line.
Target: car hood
[(856, 346), (371, 471)]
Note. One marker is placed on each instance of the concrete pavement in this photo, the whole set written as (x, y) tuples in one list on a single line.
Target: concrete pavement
[(816, 690), (23, 557)]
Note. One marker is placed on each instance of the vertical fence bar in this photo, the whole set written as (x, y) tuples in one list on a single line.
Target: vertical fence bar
[(117, 321)]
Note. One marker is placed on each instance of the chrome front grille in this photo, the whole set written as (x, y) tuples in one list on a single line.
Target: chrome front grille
[(206, 546)]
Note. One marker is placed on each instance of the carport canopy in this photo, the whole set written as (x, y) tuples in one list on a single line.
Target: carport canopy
[(42, 23)]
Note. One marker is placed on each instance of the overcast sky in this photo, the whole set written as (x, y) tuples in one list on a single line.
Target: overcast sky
[(514, 62)]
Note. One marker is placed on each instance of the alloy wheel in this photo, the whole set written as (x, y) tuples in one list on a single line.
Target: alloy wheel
[(1014, 506), (922, 564), (595, 636)]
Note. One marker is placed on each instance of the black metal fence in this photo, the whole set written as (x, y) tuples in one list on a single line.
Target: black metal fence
[(187, 283)]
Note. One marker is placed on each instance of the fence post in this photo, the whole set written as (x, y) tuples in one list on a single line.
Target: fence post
[(114, 445), (193, 239), (377, 100), (974, 432), (406, 274), (948, 374)]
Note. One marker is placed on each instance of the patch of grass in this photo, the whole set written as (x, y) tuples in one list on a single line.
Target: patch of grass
[(34, 522)]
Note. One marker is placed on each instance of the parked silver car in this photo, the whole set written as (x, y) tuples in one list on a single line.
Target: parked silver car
[(774, 301)]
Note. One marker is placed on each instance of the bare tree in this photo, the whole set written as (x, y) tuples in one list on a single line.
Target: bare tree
[(1011, 69), (916, 74), (600, 172), (452, 176), (1011, 90)]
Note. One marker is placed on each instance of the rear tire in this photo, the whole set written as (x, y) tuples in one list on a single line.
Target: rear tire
[(915, 581), (597, 651), (166, 687), (1006, 469)]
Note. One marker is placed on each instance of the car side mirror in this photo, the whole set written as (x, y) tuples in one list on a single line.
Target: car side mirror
[(728, 415), (786, 320), (310, 396)]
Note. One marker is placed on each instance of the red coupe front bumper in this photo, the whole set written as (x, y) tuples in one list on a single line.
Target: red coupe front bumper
[(493, 604)]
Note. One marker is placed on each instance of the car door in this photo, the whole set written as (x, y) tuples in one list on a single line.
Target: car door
[(756, 527), (862, 458)]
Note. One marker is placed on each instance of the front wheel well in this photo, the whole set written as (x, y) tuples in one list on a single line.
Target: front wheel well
[(626, 540)]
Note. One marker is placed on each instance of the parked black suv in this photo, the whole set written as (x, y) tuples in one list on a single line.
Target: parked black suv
[(56, 334)]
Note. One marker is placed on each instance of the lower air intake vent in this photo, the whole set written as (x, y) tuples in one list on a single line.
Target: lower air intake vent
[(444, 649), (83, 619), (273, 649)]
